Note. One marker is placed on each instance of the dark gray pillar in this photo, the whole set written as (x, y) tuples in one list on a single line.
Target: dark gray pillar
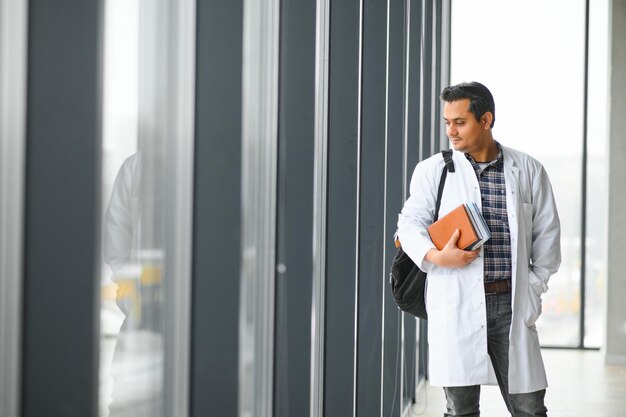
[(417, 148), (343, 160), (61, 291), (217, 210), (372, 276), (426, 76), (295, 209), (415, 102), (391, 370)]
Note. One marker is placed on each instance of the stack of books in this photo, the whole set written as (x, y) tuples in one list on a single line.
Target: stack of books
[(470, 222)]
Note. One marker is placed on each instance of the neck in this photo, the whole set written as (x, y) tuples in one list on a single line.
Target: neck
[(487, 153)]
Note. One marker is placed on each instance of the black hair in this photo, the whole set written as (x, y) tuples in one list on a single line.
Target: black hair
[(481, 100)]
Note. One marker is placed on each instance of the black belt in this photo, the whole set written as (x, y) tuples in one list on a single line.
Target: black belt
[(497, 287)]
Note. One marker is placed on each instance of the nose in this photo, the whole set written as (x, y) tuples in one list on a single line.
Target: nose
[(451, 130)]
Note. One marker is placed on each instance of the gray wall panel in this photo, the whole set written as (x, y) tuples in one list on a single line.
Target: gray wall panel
[(217, 210), (60, 352), (394, 201), (436, 105), (417, 104), (343, 158), (295, 209), (371, 218), (426, 76), (414, 101)]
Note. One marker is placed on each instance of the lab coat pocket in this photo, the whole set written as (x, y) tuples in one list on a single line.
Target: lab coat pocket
[(533, 307), (442, 298)]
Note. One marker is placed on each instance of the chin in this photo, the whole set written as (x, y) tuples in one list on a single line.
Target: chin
[(458, 146)]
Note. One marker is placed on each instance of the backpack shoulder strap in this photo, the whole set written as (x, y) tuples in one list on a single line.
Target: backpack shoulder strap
[(447, 156)]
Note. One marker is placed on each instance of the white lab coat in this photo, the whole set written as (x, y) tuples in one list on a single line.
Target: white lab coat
[(122, 217), (455, 297)]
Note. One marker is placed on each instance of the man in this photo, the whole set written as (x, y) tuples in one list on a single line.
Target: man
[(482, 305)]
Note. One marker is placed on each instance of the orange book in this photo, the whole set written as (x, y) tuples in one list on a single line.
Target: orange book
[(441, 231)]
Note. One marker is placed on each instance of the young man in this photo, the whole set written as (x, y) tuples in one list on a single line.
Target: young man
[(482, 305)]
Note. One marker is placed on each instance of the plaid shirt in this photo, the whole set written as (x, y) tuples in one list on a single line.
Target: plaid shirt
[(497, 250)]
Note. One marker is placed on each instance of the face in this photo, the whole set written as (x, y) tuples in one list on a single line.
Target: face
[(467, 134)]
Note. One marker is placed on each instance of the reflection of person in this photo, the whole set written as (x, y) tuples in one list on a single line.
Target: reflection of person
[(120, 247), (482, 305), (122, 215)]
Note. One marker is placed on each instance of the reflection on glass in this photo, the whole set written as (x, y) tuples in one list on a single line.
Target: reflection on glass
[(136, 262), (537, 78), (597, 174), (133, 251)]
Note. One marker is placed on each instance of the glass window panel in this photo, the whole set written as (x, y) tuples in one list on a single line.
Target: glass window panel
[(531, 56), (146, 228), (13, 74), (120, 275), (597, 174)]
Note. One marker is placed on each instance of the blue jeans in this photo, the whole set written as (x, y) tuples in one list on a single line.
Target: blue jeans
[(464, 401)]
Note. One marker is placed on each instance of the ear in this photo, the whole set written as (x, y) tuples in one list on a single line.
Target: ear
[(486, 120)]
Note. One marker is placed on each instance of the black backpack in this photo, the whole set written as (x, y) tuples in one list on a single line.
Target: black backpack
[(408, 282)]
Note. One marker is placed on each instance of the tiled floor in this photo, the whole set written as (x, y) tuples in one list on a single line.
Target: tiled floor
[(580, 386)]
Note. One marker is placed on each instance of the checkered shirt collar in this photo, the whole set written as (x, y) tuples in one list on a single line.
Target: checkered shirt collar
[(499, 161)]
